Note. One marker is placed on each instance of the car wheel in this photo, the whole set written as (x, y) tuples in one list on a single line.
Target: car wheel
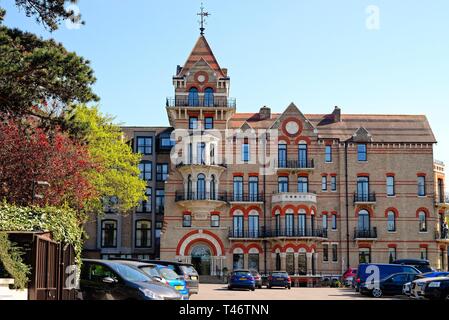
[(289, 287), (377, 293), (253, 289), (259, 287), (268, 287), (229, 288)]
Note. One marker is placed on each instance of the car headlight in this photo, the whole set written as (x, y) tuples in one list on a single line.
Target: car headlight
[(150, 294), (435, 284)]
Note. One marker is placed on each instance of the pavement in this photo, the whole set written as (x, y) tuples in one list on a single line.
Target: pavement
[(221, 292)]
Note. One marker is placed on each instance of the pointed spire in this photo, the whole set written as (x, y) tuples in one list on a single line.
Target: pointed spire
[(202, 50)]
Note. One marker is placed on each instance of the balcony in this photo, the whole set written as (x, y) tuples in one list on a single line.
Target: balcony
[(365, 234), (200, 163), (216, 102), (439, 237), (364, 198), (201, 203), (302, 197), (304, 165), (296, 233), (442, 201), (246, 234), (247, 197)]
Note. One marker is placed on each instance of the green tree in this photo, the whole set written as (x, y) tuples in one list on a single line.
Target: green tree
[(49, 12), (119, 176), (40, 77)]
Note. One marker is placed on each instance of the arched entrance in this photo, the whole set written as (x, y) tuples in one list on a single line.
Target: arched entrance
[(201, 259)]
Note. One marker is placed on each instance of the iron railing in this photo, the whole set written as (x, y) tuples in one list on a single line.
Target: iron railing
[(441, 236), (245, 233), (295, 164), (296, 233), (247, 197), (442, 199), (186, 196), (364, 197), (370, 233), (203, 163), (222, 102)]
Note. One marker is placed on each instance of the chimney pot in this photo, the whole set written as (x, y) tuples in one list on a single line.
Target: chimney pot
[(265, 113)]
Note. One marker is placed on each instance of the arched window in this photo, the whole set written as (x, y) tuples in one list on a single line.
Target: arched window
[(193, 97), (189, 188), (237, 224), (422, 221), (302, 223), (282, 184), (277, 223), (302, 155), (209, 97), (109, 233), (289, 223), (253, 188), (143, 234), (364, 221), (253, 224), (282, 154), (201, 187), (213, 195), (391, 221)]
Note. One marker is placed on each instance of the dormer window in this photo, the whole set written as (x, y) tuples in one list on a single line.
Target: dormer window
[(193, 97), (209, 97)]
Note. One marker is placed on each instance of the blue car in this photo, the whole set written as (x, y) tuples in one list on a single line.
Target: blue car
[(174, 280), (242, 279)]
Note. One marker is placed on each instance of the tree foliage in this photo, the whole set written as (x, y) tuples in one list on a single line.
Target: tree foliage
[(11, 263), (49, 12), (30, 154), (119, 174), (40, 77)]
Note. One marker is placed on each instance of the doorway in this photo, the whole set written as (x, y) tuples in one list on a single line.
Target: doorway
[(201, 257)]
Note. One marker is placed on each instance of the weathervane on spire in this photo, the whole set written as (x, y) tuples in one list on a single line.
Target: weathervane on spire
[(203, 14)]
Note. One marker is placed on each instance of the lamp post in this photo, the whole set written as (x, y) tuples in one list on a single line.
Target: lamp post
[(35, 184)]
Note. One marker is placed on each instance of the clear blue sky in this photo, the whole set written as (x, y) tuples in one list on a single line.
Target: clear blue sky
[(317, 54)]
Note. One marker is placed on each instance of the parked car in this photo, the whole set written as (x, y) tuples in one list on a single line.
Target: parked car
[(348, 277), (257, 277), (420, 264), (385, 270), (417, 286), (111, 280), (391, 285), (242, 279), (279, 279), (437, 289), (185, 270), (162, 274)]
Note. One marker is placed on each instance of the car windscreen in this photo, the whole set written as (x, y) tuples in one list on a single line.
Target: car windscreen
[(279, 274), (130, 274), (168, 274), (150, 270), (189, 270), (242, 274)]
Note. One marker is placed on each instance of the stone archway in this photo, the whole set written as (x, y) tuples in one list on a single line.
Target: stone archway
[(201, 258)]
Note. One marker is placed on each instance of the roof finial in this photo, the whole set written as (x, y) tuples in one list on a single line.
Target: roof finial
[(203, 14)]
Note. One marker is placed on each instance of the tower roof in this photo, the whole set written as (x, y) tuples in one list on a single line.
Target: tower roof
[(201, 50)]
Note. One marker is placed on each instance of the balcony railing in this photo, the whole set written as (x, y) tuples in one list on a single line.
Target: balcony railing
[(293, 197), (295, 164), (296, 233), (202, 163), (198, 196), (247, 197), (217, 102), (242, 234), (441, 236), (442, 199), (364, 197), (273, 233), (370, 233)]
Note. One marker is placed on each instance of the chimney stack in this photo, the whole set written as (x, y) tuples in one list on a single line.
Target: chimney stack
[(265, 113), (337, 114)]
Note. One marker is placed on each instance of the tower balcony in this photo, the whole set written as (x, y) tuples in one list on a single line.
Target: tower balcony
[(295, 165), (215, 102), (440, 237), (294, 197), (365, 198), (201, 203), (193, 168), (369, 234)]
